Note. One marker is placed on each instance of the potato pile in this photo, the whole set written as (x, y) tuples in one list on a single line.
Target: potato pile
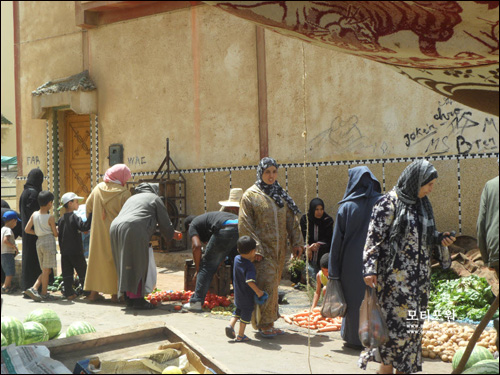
[(443, 339)]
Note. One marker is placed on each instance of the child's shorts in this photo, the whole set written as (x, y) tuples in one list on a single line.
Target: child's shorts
[(9, 264), (46, 250), (245, 315)]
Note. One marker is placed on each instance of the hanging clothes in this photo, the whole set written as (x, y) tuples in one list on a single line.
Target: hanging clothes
[(349, 237)]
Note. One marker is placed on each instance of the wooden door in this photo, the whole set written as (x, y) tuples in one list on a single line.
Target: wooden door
[(77, 146)]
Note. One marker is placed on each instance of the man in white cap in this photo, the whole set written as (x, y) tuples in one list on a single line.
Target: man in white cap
[(219, 230), (70, 242)]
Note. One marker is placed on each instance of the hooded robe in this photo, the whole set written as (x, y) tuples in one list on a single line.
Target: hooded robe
[(28, 203), (349, 237), (131, 232), (105, 201)]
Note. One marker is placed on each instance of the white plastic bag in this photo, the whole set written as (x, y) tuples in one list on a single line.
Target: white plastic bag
[(151, 277)]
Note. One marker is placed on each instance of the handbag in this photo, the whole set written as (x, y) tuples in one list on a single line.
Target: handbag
[(334, 303), (373, 331)]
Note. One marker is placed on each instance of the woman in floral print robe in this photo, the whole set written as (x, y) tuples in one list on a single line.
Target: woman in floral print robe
[(269, 215), (397, 259)]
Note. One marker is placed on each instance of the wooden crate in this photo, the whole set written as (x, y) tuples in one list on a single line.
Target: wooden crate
[(123, 343)]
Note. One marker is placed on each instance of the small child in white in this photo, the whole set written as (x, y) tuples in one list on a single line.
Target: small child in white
[(9, 250), (45, 228)]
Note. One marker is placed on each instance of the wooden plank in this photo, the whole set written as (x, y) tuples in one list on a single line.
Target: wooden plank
[(99, 339)]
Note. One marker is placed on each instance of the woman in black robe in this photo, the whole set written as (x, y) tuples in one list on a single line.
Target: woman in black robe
[(28, 203), (349, 237), (320, 232)]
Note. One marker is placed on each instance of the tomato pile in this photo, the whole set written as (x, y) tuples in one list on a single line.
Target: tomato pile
[(211, 300), (159, 296)]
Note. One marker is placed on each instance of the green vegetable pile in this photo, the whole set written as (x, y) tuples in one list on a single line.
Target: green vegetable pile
[(469, 297)]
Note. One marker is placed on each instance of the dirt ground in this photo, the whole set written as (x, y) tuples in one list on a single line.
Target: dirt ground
[(296, 352)]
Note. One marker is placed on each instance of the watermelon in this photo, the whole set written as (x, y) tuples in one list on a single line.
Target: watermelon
[(478, 354), (47, 318), (4, 341), (13, 330), (486, 366), (79, 328), (34, 332)]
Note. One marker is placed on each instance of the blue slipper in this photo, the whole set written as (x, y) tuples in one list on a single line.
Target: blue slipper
[(267, 333), (230, 332), (245, 338)]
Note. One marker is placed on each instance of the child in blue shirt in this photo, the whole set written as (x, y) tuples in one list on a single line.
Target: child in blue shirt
[(245, 288)]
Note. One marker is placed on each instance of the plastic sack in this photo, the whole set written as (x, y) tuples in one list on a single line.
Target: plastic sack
[(334, 304), (373, 330), (151, 276)]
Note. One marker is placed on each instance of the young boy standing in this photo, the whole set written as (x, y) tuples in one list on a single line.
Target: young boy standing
[(245, 288), (44, 226), (321, 279), (9, 250), (70, 243)]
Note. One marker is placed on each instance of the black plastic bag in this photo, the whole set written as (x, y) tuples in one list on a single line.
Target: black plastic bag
[(334, 304), (373, 330)]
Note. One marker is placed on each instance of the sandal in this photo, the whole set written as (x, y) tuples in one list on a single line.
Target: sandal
[(245, 338), (72, 297), (267, 333), (278, 331), (230, 332)]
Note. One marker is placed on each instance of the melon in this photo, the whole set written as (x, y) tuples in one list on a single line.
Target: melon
[(486, 366), (34, 332), (172, 370), (478, 354), (79, 328), (4, 341), (48, 318), (13, 330)]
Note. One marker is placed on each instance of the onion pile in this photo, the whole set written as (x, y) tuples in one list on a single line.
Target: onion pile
[(442, 340)]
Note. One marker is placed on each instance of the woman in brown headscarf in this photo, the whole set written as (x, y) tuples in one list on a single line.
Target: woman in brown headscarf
[(105, 201)]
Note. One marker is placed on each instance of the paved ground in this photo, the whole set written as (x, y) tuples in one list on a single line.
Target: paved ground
[(284, 354)]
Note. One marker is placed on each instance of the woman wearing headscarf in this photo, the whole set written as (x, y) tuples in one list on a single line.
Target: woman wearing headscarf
[(317, 227), (401, 239), (28, 203), (349, 237), (105, 201), (269, 215), (130, 233)]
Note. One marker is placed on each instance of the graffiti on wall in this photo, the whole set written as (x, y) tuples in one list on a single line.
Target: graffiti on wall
[(345, 135), (33, 160), (136, 160), (454, 130)]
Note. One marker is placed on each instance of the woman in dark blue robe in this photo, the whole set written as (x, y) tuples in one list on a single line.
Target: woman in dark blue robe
[(349, 237)]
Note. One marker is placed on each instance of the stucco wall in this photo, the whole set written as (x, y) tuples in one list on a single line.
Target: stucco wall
[(7, 87), (191, 76)]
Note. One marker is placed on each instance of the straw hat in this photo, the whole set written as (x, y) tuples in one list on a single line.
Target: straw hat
[(234, 198)]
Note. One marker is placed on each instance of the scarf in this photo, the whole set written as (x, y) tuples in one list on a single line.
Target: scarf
[(362, 184), (118, 174), (34, 180), (416, 175), (312, 209), (275, 191)]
